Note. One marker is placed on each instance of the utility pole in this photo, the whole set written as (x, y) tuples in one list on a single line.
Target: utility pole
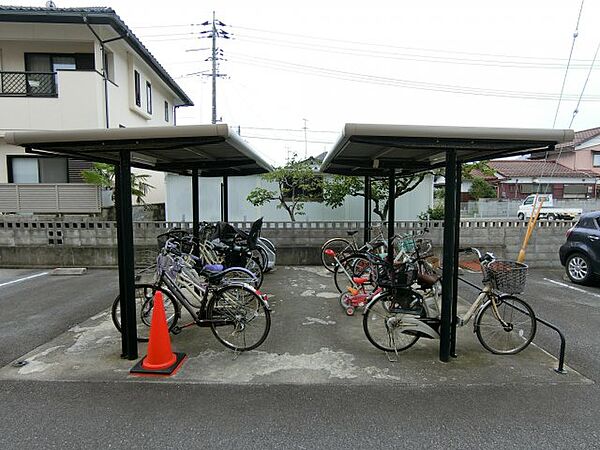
[(216, 31), (305, 140)]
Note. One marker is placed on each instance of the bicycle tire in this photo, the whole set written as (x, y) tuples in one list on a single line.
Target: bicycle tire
[(376, 320), (514, 339), (340, 246), (144, 294), (253, 265), (260, 255), (357, 265), (243, 309)]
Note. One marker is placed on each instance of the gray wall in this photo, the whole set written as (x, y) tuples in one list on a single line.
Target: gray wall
[(179, 201), (31, 242), (487, 208)]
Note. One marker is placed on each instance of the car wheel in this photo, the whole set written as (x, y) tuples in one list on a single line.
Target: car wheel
[(551, 217), (579, 269), (521, 216)]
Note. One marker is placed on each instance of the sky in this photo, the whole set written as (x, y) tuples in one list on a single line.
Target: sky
[(298, 71)]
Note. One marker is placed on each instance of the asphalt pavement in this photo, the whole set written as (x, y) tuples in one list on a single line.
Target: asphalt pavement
[(534, 414)]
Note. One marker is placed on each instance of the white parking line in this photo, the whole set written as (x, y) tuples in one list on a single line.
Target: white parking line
[(18, 280), (573, 288)]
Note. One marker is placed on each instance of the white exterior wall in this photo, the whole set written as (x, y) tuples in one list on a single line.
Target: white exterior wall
[(80, 101), (179, 202)]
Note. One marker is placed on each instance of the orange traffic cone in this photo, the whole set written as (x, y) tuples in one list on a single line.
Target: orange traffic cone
[(160, 359)]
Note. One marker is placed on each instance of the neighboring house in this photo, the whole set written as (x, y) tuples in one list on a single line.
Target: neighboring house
[(516, 179), (69, 68), (582, 154)]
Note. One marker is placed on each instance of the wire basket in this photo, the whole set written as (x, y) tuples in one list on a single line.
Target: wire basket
[(180, 237), (507, 276)]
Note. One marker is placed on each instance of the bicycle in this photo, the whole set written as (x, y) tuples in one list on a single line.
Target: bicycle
[(343, 247), (363, 264), (394, 320), (237, 314)]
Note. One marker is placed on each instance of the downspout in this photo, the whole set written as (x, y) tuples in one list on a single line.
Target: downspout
[(104, 75)]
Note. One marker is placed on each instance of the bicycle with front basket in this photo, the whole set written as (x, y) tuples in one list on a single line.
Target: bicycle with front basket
[(395, 319)]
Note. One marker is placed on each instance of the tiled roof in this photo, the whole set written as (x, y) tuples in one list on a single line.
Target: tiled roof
[(95, 15), (580, 138), (528, 168)]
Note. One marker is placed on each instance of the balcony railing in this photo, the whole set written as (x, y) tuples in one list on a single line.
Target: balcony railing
[(28, 84), (50, 198)]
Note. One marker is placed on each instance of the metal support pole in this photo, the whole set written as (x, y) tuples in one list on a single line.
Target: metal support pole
[(195, 208), (391, 214), (448, 274), (225, 200), (454, 313), (126, 257), (367, 210)]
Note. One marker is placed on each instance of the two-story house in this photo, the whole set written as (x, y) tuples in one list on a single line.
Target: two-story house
[(583, 153), (69, 68)]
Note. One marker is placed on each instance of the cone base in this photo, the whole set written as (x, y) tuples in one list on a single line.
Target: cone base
[(139, 370)]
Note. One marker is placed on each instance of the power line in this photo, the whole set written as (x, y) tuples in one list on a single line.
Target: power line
[(268, 138), (358, 77), (371, 44), (408, 57), (562, 88), (288, 129), (353, 46), (576, 110)]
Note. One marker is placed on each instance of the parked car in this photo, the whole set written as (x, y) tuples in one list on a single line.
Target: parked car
[(549, 210), (580, 255)]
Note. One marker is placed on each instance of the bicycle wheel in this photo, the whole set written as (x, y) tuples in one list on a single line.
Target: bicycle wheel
[(261, 257), (253, 265), (144, 301), (354, 265), (340, 246), (240, 319), (383, 328), (514, 335)]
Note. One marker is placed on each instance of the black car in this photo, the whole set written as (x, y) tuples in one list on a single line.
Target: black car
[(581, 253)]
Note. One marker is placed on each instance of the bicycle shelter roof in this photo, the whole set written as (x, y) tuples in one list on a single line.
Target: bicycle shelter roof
[(215, 150), (374, 149)]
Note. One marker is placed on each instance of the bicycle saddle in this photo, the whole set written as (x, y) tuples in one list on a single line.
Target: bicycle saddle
[(351, 232), (212, 276), (360, 280)]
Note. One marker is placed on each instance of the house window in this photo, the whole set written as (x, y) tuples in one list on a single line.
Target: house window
[(109, 65), (53, 62), (575, 191), (138, 88), (37, 170), (148, 97), (166, 111), (533, 188), (596, 161)]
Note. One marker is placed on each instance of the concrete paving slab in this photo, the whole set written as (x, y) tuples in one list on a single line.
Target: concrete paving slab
[(312, 341)]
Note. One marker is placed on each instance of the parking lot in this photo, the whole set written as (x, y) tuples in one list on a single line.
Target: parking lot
[(61, 328)]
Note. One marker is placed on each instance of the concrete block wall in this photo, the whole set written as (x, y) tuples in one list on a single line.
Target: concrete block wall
[(39, 242)]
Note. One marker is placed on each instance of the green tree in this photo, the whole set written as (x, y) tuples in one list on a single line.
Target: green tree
[(481, 189), (340, 186), (297, 183), (103, 175)]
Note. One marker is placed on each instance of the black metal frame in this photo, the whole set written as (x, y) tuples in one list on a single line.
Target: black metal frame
[(126, 256)]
